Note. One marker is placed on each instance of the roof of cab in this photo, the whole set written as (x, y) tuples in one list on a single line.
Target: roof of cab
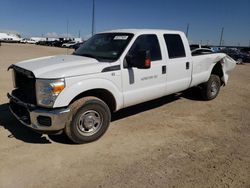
[(142, 31)]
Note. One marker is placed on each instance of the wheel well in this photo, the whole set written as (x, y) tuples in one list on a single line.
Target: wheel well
[(217, 70), (102, 94)]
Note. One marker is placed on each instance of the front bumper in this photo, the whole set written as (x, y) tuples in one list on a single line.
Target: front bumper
[(29, 115)]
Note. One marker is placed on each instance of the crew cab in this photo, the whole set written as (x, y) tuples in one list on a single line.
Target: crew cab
[(112, 70)]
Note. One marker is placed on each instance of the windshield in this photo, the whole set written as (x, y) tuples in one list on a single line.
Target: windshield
[(105, 46)]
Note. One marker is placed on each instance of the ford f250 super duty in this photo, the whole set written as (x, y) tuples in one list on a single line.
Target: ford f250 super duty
[(112, 70)]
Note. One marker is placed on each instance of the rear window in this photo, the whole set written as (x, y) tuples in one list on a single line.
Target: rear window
[(174, 45)]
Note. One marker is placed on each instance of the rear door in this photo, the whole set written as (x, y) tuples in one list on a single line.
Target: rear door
[(141, 85), (179, 64)]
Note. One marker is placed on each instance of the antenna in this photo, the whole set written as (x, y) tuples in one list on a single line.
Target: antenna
[(93, 18)]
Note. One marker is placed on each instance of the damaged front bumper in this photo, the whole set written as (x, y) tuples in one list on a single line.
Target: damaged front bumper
[(39, 119)]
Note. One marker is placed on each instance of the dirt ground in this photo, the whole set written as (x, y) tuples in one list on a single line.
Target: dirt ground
[(175, 141)]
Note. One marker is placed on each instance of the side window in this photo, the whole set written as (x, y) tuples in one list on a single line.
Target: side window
[(147, 42), (175, 46)]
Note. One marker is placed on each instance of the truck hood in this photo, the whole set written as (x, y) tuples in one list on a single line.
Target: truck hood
[(62, 66)]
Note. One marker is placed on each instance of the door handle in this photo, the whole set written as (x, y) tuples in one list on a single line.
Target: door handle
[(164, 69), (187, 65)]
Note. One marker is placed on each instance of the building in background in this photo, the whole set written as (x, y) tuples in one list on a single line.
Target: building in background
[(10, 37)]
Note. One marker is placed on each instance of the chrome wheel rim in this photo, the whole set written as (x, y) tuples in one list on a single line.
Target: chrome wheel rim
[(89, 123)]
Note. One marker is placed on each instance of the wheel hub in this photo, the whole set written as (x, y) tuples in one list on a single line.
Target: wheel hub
[(214, 88), (89, 123)]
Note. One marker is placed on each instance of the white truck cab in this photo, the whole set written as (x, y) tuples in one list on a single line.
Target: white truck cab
[(112, 70)]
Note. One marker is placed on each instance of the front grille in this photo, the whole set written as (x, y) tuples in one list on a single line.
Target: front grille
[(26, 85), (21, 112)]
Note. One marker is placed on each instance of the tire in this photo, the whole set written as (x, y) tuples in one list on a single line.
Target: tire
[(211, 88), (89, 120)]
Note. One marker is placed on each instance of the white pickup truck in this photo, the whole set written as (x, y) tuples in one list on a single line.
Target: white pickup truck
[(112, 70)]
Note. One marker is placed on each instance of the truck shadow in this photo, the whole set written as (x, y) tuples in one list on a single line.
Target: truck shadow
[(20, 132), (139, 108), (193, 94), (17, 130)]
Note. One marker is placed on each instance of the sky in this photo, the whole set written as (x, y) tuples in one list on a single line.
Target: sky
[(205, 17)]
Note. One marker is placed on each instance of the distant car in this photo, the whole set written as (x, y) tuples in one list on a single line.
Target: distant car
[(58, 43), (69, 44), (238, 56), (194, 46), (44, 43), (77, 45), (201, 51), (30, 41), (24, 40)]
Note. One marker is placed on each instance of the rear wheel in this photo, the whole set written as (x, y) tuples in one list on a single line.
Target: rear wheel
[(90, 118), (211, 88)]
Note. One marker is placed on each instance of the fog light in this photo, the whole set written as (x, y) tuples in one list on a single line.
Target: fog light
[(44, 120)]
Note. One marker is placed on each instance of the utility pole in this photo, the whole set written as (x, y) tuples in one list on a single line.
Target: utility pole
[(221, 35), (79, 34), (93, 18), (67, 29), (187, 30), (67, 35)]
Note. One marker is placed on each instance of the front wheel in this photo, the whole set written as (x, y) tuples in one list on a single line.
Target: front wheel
[(211, 88), (90, 118)]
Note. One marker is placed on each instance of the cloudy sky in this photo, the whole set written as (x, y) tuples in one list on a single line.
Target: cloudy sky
[(206, 18)]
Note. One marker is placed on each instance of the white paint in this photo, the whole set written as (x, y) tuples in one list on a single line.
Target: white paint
[(129, 86)]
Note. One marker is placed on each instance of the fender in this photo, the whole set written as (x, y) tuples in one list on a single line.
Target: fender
[(203, 69), (227, 64), (75, 87)]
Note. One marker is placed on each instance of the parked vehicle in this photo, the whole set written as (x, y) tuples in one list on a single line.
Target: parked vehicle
[(112, 70), (238, 56), (58, 43), (44, 43), (201, 51), (69, 44), (77, 45)]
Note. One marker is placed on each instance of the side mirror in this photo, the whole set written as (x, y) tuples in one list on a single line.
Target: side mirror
[(141, 60)]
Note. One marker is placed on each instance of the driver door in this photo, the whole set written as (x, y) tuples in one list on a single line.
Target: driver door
[(141, 85)]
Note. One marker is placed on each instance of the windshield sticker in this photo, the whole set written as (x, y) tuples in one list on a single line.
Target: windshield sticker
[(121, 37)]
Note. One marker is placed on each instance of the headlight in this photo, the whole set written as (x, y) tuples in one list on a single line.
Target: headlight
[(48, 90)]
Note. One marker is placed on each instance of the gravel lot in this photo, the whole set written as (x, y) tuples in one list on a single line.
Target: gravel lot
[(175, 141)]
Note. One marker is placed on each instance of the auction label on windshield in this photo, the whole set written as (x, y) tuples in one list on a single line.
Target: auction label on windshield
[(124, 37)]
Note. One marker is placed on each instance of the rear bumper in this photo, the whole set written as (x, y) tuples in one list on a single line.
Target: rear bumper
[(33, 117)]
